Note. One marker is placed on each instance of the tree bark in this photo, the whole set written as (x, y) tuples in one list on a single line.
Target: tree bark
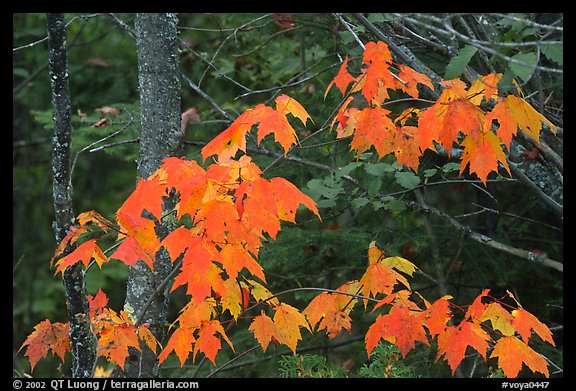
[(82, 339), (159, 87)]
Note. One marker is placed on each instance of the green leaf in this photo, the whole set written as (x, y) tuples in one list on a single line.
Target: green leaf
[(347, 169), (357, 203), (380, 169), (524, 70), (554, 52), (330, 203), (374, 187), (392, 204), (407, 179), (458, 64), (451, 166), (430, 172)]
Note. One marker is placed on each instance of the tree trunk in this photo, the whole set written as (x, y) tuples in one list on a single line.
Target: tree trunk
[(83, 342), (159, 86)]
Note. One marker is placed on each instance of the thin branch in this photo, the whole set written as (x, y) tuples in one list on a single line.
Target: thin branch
[(207, 98), (541, 258)]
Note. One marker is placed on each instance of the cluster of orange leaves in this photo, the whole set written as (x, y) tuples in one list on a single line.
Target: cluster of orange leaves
[(226, 211), (456, 117)]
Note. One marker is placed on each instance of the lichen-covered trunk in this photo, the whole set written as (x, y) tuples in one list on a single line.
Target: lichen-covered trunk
[(83, 342), (160, 137)]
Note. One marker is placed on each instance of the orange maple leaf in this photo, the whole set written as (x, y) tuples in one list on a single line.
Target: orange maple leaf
[(115, 335), (264, 330), (96, 219), (512, 353), (180, 342), (97, 302), (288, 321), (207, 342), (373, 128), (483, 152), (234, 258), (269, 120), (409, 79), (514, 113), (83, 253), (342, 79), (453, 341), (47, 336), (130, 252), (401, 327), (437, 315), (380, 278), (485, 86), (524, 322)]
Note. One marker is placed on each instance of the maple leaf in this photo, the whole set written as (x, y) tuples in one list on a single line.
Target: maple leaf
[(47, 336), (273, 121), (401, 327), (342, 79), (377, 79), (207, 342), (176, 172), (83, 253), (485, 86), (180, 342), (97, 302), (373, 128), (234, 258), (264, 330), (70, 238), (512, 353), (499, 317), (524, 322), (95, 218), (217, 217), (319, 307), (527, 118), (199, 274), (380, 278), (401, 264), (477, 308), (269, 120), (232, 139), (195, 313), (177, 241), (146, 196), (256, 205), (453, 341), (130, 252), (243, 169), (231, 297), (288, 105), (331, 310), (514, 113), (288, 198), (288, 320), (260, 292), (451, 114), (410, 79), (437, 315), (116, 334), (376, 53), (146, 335), (483, 152)]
